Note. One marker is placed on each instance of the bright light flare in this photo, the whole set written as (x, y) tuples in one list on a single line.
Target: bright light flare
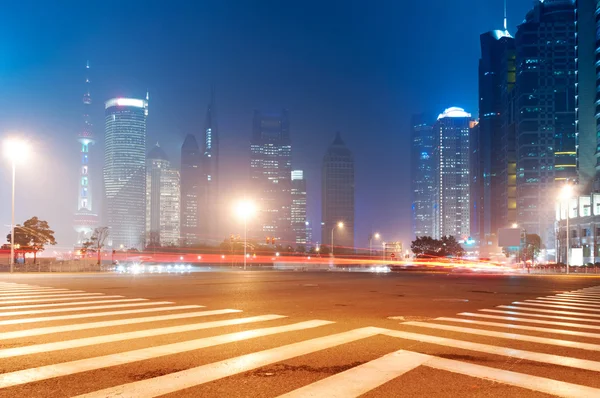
[(16, 150), (566, 192), (245, 209), (377, 235)]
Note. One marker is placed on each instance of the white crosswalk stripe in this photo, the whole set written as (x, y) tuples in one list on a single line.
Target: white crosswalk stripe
[(53, 297), (3, 305), (541, 322), (28, 292)]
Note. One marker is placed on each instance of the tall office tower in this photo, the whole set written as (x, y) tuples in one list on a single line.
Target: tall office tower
[(191, 178), (209, 189), (587, 86), (85, 220), (125, 171), (270, 172), (337, 195), (298, 210), (489, 165), (545, 110), (422, 178), (451, 188), (162, 200)]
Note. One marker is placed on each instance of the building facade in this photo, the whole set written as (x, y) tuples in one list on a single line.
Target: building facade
[(270, 176), (163, 199), (298, 210), (451, 188), (337, 195), (209, 208), (584, 228), (587, 97), (85, 220), (546, 151), (422, 177), (191, 178), (125, 171), (489, 163)]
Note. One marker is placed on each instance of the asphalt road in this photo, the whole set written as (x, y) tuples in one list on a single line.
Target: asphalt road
[(299, 334)]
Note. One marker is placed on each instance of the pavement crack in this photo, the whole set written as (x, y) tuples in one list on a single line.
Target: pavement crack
[(281, 369)]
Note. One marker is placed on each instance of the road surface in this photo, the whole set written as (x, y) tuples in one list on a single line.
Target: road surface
[(299, 334)]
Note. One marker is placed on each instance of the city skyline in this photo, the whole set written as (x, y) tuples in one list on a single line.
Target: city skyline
[(174, 103)]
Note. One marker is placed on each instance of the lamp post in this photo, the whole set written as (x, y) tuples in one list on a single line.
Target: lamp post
[(371, 237), (15, 150), (244, 210), (339, 225), (566, 194)]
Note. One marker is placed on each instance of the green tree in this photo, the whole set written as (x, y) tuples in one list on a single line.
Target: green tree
[(98, 240), (33, 236), (532, 248), (301, 249), (426, 246), (451, 247)]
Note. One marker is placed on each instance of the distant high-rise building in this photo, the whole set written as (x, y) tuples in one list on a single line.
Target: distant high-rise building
[(488, 162), (587, 87), (337, 195), (209, 208), (125, 171), (422, 176), (191, 178), (451, 188), (298, 210), (545, 113), (270, 175), (85, 219), (162, 200)]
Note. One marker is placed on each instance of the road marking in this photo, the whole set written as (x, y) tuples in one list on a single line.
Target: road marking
[(512, 307), (16, 307), (566, 318), (84, 365), (61, 298), (213, 371), (104, 324), (535, 383), (496, 350), (533, 328), (96, 307), (576, 303), (96, 314), (582, 295), (536, 321), (568, 300), (111, 338), (48, 291), (566, 307), (509, 336), (363, 378)]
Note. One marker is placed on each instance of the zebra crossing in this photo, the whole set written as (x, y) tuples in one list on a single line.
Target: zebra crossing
[(99, 333)]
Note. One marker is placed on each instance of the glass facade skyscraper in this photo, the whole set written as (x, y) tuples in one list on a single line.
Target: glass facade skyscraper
[(125, 171), (270, 175), (337, 195), (546, 152), (451, 189), (422, 177), (191, 177), (209, 208), (298, 212)]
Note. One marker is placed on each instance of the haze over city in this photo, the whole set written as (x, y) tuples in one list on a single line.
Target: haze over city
[(357, 68)]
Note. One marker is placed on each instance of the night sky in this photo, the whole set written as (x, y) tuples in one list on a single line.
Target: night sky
[(360, 67)]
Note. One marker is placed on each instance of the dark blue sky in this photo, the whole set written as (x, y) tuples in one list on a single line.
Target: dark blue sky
[(360, 67)]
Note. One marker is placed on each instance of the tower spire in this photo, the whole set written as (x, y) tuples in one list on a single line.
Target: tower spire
[(505, 18)]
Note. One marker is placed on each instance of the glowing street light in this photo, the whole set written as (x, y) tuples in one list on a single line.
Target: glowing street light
[(566, 194), (245, 209), (339, 225), (376, 236), (16, 151)]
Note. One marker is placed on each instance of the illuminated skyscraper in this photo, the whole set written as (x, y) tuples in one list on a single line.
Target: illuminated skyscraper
[(191, 178), (209, 208), (545, 113), (298, 212), (422, 178), (337, 195), (162, 200), (125, 171), (85, 220), (451, 188), (270, 174)]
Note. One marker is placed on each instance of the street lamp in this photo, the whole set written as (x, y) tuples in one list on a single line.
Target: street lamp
[(244, 210), (339, 225), (16, 151), (371, 237), (566, 194)]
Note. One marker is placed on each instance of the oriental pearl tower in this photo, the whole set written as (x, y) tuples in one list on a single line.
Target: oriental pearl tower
[(85, 219)]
